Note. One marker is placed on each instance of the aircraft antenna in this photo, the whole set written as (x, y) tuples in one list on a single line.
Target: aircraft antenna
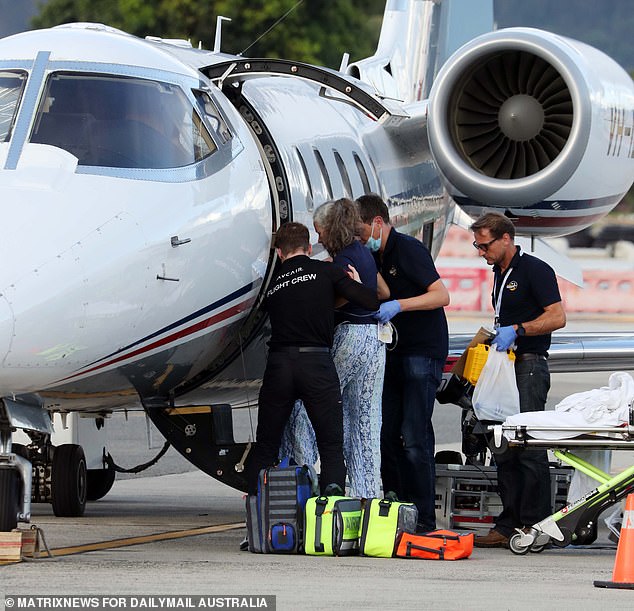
[(274, 25), (218, 37), (344, 63)]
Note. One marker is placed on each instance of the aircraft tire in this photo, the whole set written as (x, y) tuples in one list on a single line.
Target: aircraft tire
[(99, 483), (69, 481), (9, 496)]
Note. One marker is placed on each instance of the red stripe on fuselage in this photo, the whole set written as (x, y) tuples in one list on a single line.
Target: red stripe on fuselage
[(203, 324), (555, 221)]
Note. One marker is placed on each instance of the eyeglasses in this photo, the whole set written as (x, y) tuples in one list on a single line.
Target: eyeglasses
[(484, 246)]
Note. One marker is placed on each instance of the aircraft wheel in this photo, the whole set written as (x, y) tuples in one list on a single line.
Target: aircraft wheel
[(515, 547), (69, 481), (9, 497), (99, 483)]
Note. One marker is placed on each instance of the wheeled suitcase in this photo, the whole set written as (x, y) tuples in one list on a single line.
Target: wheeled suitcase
[(275, 515)]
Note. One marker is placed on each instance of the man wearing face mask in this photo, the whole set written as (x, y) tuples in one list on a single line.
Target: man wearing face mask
[(413, 368)]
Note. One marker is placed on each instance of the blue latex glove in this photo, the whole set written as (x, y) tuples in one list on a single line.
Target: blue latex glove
[(388, 310), (504, 338)]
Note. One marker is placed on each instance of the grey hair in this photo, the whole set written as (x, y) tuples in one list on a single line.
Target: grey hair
[(321, 213)]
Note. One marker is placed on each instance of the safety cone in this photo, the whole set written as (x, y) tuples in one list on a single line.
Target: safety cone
[(623, 575)]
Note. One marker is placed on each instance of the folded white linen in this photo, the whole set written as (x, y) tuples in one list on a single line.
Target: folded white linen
[(601, 407)]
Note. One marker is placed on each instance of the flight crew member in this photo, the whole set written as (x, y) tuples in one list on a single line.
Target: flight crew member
[(413, 368), (300, 303), (528, 309), (359, 357)]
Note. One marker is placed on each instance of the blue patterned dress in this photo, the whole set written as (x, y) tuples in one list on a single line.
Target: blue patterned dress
[(359, 357)]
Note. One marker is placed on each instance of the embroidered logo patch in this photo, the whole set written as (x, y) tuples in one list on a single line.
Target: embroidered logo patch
[(392, 271), (512, 285)]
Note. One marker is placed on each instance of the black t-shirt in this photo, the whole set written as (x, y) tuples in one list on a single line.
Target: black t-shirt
[(301, 298), (408, 270), (529, 288)]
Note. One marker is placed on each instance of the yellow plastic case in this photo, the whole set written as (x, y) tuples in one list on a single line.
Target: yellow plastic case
[(476, 358)]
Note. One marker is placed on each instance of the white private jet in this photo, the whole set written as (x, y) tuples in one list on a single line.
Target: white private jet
[(142, 181)]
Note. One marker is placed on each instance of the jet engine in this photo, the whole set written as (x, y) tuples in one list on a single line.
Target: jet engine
[(534, 125)]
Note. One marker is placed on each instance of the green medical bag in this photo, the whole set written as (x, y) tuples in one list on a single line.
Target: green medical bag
[(332, 526), (382, 524)]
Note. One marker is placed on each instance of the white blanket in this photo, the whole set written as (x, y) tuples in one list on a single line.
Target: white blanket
[(605, 406)]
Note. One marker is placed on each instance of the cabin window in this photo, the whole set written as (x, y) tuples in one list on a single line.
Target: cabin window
[(324, 172), (347, 187), (363, 175), (309, 196), (11, 88), (121, 122), (427, 235)]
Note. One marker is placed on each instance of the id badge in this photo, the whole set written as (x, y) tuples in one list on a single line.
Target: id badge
[(384, 332)]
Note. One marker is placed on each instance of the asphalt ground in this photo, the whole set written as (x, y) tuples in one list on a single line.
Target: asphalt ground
[(175, 531)]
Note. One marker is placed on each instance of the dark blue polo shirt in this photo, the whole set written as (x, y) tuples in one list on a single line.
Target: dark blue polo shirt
[(357, 255), (530, 287), (409, 270)]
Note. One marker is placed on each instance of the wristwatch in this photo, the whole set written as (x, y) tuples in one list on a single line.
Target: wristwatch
[(521, 331)]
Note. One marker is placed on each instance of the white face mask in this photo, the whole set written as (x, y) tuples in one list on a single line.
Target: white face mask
[(374, 244)]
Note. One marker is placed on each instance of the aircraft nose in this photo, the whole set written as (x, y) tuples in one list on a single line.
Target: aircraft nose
[(6, 328)]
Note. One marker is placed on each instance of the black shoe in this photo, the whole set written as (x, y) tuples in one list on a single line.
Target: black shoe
[(390, 495), (333, 490), (244, 545)]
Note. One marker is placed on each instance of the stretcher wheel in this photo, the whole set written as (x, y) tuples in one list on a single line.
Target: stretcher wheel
[(535, 549), (515, 547), (567, 533), (585, 535)]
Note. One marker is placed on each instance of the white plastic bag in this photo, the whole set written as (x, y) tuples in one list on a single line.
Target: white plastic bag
[(495, 396)]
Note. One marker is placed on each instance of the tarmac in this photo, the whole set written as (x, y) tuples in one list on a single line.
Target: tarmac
[(178, 533)]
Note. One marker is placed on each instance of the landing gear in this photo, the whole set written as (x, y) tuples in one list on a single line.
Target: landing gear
[(10, 496), (69, 481), (99, 482)]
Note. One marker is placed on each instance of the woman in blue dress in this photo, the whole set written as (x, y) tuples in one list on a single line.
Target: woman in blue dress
[(359, 357)]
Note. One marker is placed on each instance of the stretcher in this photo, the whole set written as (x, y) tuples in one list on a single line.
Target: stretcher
[(576, 522)]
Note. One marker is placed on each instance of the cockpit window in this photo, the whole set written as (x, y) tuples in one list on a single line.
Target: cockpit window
[(121, 122), (213, 115), (11, 87)]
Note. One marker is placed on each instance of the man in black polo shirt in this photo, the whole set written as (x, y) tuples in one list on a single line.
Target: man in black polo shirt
[(300, 303), (413, 369), (528, 309)]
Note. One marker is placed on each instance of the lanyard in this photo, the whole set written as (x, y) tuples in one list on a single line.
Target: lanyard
[(498, 300)]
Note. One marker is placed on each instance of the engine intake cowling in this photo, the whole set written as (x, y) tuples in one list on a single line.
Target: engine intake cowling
[(519, 119)]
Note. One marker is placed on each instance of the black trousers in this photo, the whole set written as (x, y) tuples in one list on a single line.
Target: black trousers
[(523, 473), (311, 377)]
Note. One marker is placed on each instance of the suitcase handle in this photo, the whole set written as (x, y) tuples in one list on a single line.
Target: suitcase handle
[(410, 546), (320, 507)]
